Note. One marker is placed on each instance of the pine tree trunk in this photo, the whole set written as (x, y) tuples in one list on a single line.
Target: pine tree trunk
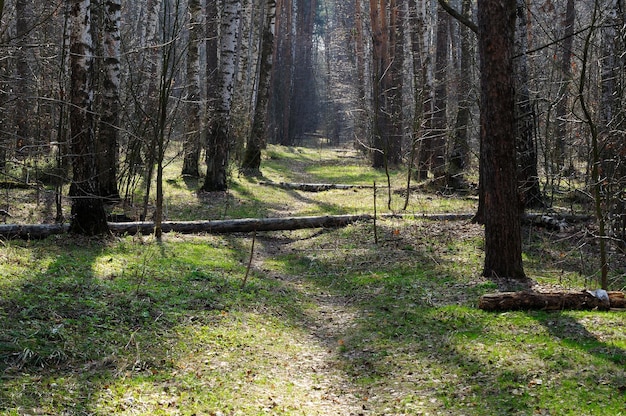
[(88, 215), (503, 241), (381, 82), (218, 146)]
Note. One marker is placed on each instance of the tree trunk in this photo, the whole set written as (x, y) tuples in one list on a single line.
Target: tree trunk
[(282, 74), (439, 132), (360, 130), (215, 227), (460, 147), (258, 135), (498, 173), (396, 46), (25, 89), (107, 144), (382, 82), (191, 144), (529, 177), (88, 215), (558, 158), (303, 115), (218, 146), (423, 84)]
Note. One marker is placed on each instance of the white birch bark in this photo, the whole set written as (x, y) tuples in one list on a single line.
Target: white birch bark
[(109, 121), (218, 141), (88, 216)]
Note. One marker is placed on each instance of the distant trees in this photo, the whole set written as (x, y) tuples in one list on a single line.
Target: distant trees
[(398, 79)]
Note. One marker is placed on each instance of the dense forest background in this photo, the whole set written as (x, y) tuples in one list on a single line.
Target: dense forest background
[(96, 93)]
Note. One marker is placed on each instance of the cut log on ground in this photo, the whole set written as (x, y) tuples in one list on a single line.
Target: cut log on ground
[(218, 226), (531, 300), (313, 187)]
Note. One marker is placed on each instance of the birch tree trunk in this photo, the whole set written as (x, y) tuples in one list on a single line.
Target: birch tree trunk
[(191, 144), (108, 129), (88, 215), (258, 135), (218, 146)]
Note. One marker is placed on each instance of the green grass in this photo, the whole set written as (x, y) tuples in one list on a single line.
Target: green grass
[(328, 323)]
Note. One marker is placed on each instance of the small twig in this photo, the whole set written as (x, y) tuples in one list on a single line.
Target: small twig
[(375, 228), (245, 278)]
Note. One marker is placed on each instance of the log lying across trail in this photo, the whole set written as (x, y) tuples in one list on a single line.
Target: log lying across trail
[(38, 231), (313, 187), (530, 300)]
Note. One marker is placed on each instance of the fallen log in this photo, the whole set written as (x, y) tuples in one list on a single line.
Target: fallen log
[(39, 231), (552, 301), (313, 187)]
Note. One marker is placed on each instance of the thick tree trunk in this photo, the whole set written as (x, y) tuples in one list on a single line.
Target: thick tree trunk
[(498, 173), (529, 300), (88, 215)]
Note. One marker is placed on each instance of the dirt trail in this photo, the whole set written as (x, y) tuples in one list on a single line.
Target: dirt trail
[(318, 371)]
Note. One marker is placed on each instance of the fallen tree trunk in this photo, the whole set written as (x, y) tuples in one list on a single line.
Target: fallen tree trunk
[(38, 231), (530, 300), (217, 226), (313, 187)]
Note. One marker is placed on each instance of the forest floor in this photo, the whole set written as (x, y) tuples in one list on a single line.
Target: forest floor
[(350, 321)]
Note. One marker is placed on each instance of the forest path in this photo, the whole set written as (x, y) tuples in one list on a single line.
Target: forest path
[(320, 369)]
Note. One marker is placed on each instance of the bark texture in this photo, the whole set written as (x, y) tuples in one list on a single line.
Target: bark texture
[(88, 215), (218, 146), (529, 300), (498, 167)]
